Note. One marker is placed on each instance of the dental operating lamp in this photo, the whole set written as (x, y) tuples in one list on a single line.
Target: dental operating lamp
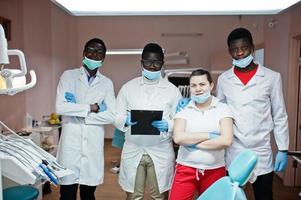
[(13, 81)]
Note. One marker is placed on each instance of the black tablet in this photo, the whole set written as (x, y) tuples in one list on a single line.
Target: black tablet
[(145, 119)]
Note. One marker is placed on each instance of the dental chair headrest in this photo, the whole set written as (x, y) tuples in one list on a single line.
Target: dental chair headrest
[(242, 167)]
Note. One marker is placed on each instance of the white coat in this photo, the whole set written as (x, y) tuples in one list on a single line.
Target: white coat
[(82, 138), (258, 109), (137, 95)]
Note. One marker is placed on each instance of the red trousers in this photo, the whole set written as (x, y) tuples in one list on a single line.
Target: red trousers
[(188, 180)]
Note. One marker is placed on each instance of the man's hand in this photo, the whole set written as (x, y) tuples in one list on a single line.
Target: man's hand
[(192, 147), (281, 161), (128, 121), (102, 106), (161, 125), (70, 97), (94, 108)]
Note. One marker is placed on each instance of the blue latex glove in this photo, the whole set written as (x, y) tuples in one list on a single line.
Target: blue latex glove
[(213, 135), (102, 106), (161, 125), (281, 161), (182, 104), (128, 120), (194, 147), (70, 97), (191, 147)]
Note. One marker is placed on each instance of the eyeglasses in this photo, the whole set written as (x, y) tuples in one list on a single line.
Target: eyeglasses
[(156, 63), (237, 49), (92, 50)]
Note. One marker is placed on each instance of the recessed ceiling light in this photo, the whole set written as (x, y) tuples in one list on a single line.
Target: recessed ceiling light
[(124, 52), (173, 7)]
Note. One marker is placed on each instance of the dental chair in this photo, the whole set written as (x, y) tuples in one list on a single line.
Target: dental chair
[(22, 192), (230, 187), (13, 81)]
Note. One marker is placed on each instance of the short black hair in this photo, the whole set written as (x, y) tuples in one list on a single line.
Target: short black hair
[(95, 40), (200, 72), (153, 48), (240, 33)]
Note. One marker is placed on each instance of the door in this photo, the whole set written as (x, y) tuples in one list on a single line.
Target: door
[(298, 134)]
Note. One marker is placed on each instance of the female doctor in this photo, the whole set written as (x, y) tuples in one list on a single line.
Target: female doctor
[(85, 99), (203, 129)]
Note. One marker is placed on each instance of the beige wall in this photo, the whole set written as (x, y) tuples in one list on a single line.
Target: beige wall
[(64, 45), (37, 48), (295, 27)]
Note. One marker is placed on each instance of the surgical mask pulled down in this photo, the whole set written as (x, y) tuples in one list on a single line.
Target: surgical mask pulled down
[(151, 75), (244, 62), (202, 98), (92, 64)]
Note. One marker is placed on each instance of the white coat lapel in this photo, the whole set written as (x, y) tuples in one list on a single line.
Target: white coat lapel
[(254, 80), (231, 75), (83, 78), (97, 79)]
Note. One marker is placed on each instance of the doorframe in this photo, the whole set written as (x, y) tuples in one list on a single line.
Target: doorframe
[(292, 100)]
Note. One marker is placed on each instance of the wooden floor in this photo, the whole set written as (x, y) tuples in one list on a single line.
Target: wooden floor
[(111, 190)]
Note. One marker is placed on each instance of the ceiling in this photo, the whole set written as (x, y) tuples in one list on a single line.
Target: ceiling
[(173, 7)]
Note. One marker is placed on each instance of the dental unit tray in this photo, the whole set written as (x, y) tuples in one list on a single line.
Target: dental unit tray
[(25, 162)]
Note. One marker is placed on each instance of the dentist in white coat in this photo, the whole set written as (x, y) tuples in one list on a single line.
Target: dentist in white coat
[(86, 101), (148, 158), (254, 95)]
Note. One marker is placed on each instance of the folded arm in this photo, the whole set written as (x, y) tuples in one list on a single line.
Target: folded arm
[(224, 140), (184, 138), (65, 107), (105, 115)]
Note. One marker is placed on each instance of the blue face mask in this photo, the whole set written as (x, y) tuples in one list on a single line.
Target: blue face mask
[(92, 64), (201, 98), (151, 75), (244, 62)]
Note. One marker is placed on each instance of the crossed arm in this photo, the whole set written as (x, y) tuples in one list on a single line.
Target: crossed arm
[(202, 140)]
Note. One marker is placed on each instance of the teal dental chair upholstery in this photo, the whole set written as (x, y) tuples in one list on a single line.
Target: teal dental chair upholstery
[(20, 193), (229, 187)]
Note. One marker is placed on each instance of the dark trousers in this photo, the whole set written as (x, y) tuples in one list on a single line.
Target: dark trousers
[(68, 192), (263, 187)]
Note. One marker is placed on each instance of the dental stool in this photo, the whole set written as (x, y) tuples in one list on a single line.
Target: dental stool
[(229, 187), (20, 193)]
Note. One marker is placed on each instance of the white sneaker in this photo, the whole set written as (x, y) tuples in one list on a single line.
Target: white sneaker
[(114, 170)]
